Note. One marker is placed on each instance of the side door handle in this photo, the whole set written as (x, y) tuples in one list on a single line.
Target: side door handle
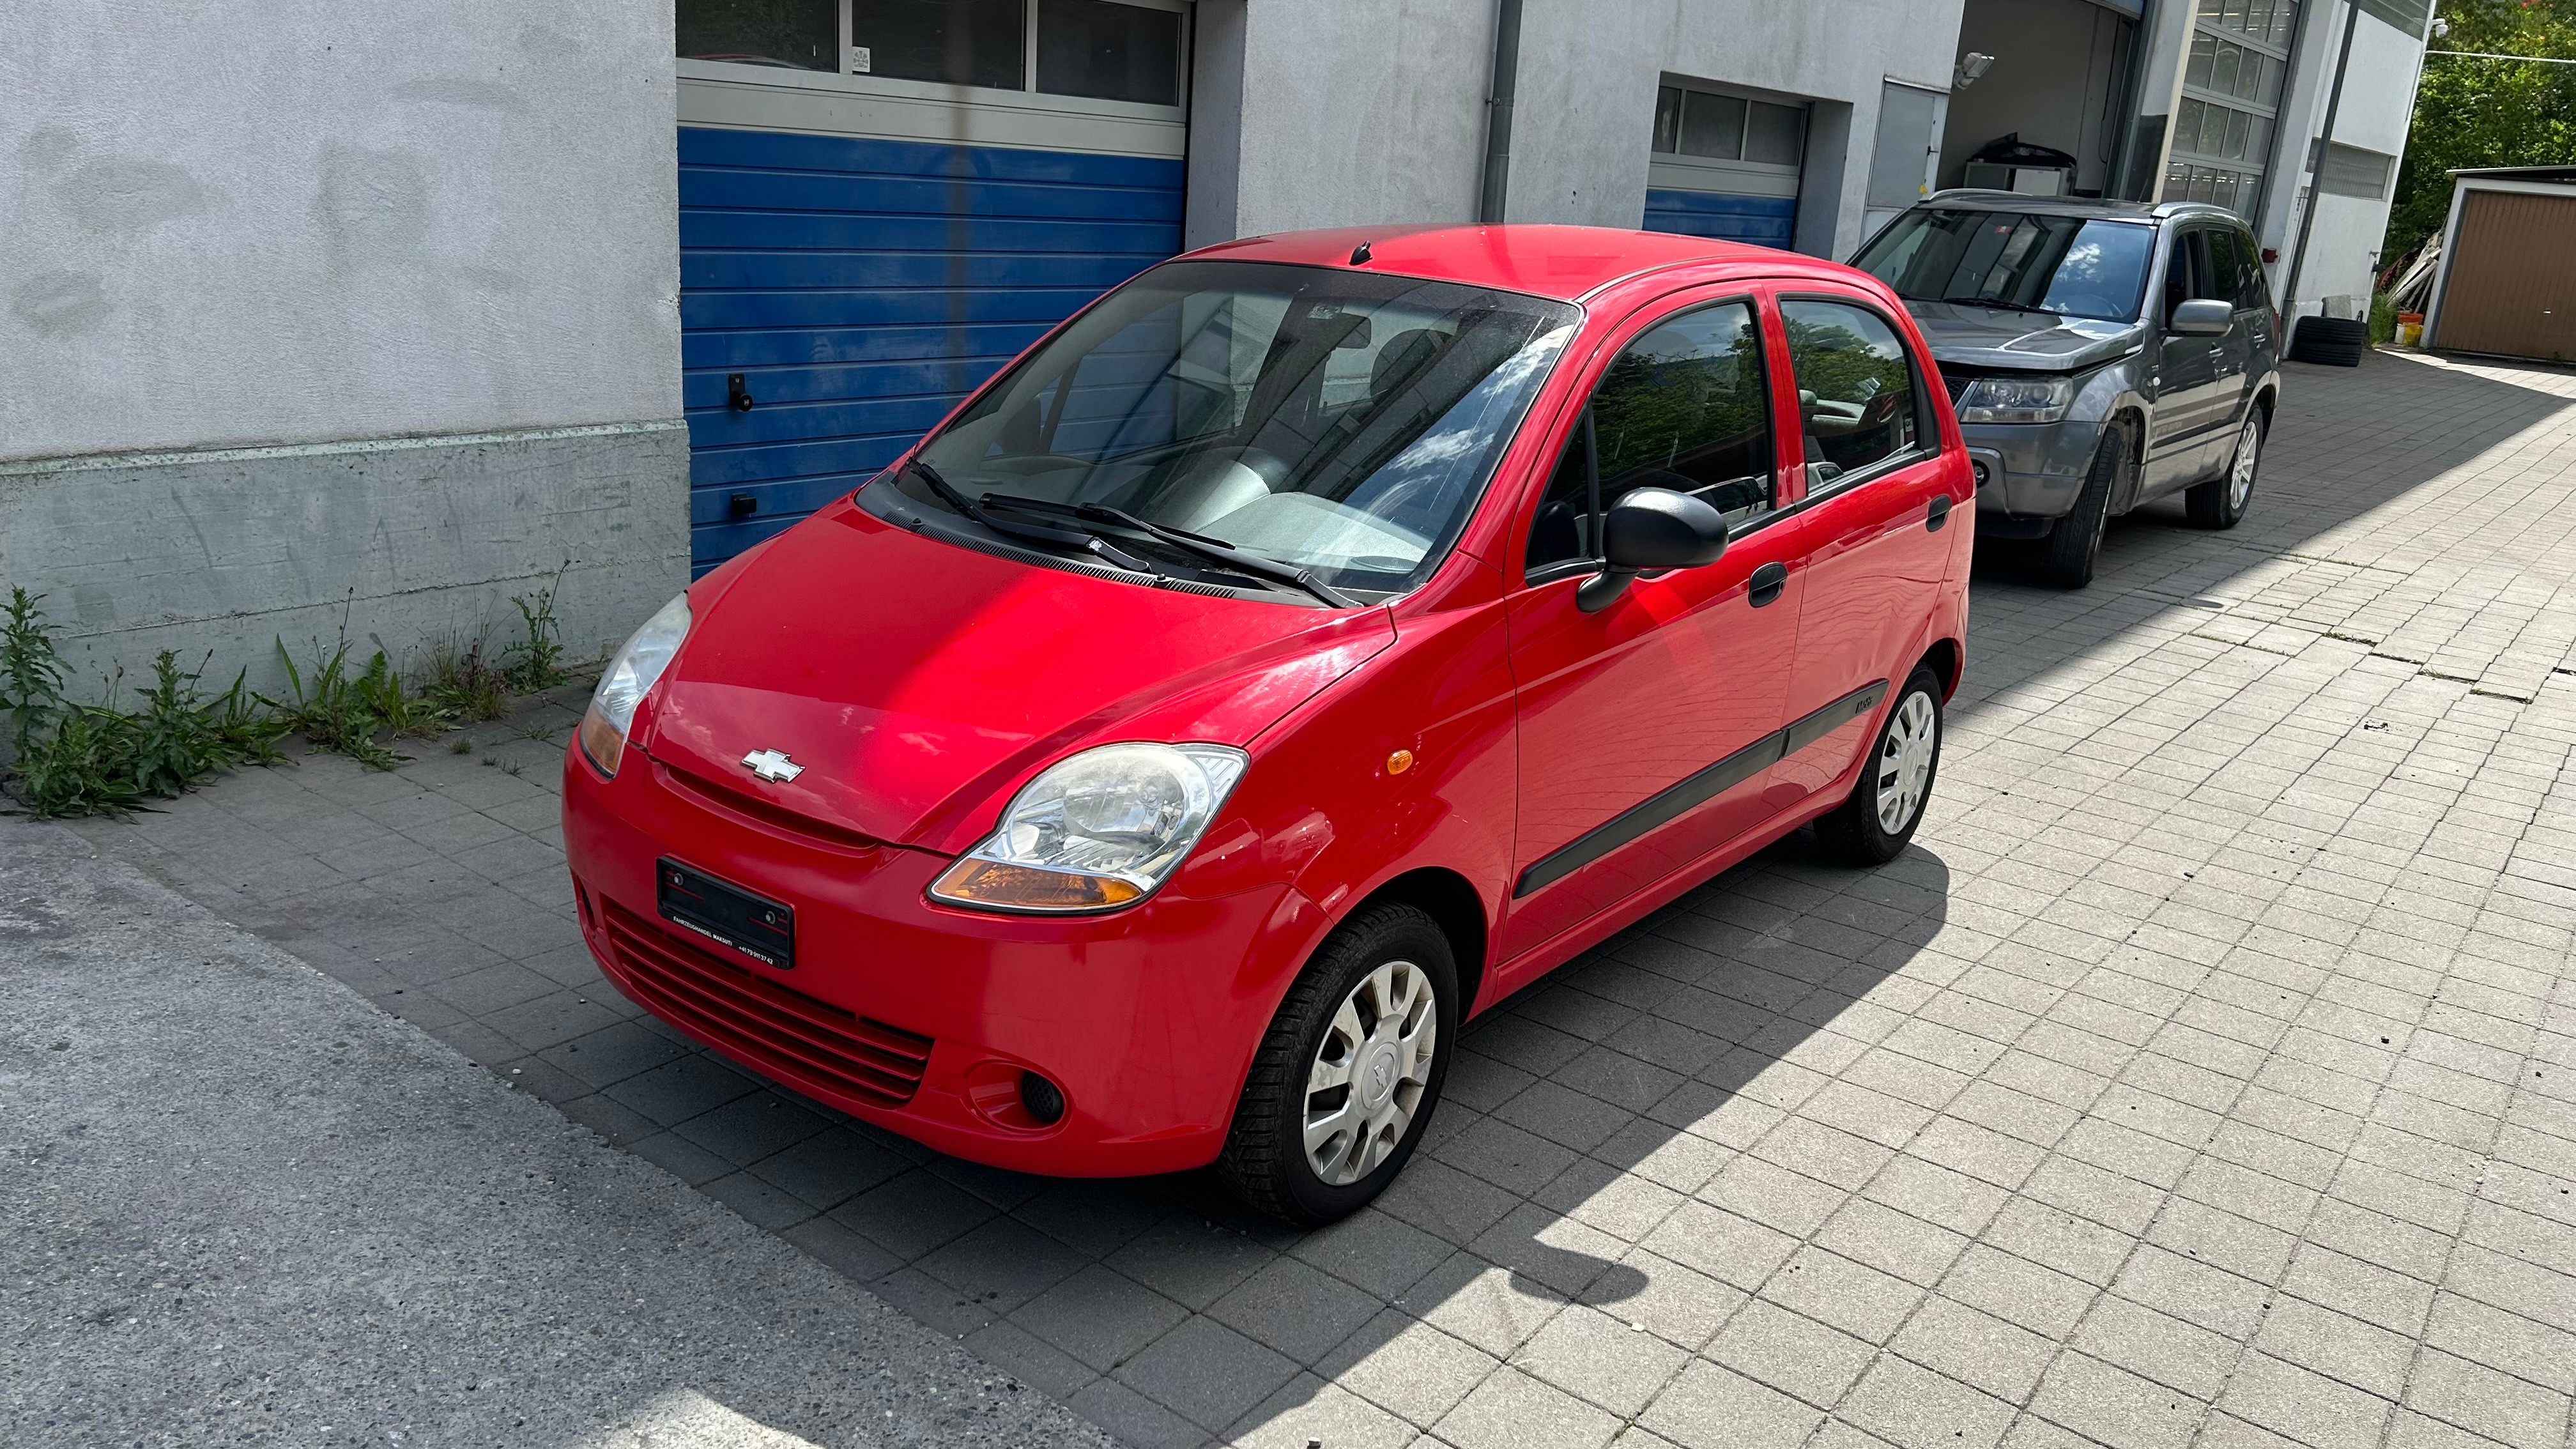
[(1939, 514), (1766, 583)]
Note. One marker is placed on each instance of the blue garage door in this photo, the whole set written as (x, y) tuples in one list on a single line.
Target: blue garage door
[(860, 287), (1770, 220), (1725, 164)]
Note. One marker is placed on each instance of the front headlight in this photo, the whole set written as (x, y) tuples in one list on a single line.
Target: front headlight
[(2016, 399), (1096, 831), (631, 673)]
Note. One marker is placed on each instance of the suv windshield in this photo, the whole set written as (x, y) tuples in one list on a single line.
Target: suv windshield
[(2070, 265), (1337, 421)]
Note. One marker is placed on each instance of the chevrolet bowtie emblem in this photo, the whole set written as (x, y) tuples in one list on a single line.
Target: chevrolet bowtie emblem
[(772, 765)]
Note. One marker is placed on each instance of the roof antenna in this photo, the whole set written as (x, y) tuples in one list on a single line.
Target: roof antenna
[(1360, 254)]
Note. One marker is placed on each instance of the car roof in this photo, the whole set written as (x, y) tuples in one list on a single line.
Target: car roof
[(1569, 263), (1962, 198)]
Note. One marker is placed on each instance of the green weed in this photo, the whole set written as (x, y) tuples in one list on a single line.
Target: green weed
[(95, 759), (31, 672), (535, 661), (467, 685), (334, 710)]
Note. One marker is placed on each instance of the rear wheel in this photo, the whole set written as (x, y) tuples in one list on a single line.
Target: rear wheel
[(1349, 1071), (2220, 502), (1873, 825), (2067, 555)]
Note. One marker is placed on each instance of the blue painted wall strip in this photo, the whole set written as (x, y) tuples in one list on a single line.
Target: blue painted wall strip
[(863, 286)]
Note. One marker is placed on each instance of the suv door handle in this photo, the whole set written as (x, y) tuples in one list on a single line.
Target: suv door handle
[(1766, 583), (1939, 514)]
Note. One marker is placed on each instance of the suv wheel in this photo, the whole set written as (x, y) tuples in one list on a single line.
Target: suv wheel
[(1347, 1076), (1873, 825), (2066, 556), (2220, 502)]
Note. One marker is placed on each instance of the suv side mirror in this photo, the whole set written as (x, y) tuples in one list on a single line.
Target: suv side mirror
[(2202, 317), (1650, 529)]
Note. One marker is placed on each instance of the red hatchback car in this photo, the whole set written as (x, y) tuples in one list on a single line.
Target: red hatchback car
[(1306, 646)]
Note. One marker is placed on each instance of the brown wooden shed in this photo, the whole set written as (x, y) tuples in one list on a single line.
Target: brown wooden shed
[(2507, 284)]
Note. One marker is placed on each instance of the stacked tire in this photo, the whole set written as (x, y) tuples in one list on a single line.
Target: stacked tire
[(2333, 341)]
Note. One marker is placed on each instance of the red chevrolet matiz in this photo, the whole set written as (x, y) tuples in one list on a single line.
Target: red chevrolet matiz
[(1311, 643)]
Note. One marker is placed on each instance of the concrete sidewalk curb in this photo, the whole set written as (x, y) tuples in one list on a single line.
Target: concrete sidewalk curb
[(239, 1203)]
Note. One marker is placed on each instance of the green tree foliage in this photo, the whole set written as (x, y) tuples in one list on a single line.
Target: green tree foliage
[(2486, 112)]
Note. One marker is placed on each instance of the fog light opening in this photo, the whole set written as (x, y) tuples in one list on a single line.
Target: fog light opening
[(1041, 1098), (1981, 477)]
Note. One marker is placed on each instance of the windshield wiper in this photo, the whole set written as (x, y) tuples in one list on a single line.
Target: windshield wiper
[(1086, 541), (1215, 550), (2000, 302)]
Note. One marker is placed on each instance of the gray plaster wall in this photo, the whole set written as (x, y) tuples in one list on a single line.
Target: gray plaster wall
[(401, 543), (313, 225), (1334, 114)]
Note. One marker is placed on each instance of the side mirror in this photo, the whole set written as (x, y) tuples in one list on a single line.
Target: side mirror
[(2202, 317), (1650, 529)]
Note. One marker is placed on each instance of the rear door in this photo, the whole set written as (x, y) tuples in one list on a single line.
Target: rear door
[(1646, 728), (1870, 533)]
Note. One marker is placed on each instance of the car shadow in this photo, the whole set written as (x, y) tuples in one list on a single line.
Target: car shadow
[(1647, 1135)]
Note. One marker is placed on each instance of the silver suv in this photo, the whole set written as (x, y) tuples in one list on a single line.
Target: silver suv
[(2099, 353)]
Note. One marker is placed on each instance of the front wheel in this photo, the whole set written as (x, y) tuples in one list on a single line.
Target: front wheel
[(2067, 555), (1872, 826), (2221, 502), (1349, 1071)]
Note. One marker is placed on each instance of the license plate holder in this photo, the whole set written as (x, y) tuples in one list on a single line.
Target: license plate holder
[(756, 926)]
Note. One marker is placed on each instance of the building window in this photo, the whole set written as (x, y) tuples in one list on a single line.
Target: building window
[(1122, 51), (959, 42), (1109, 52), (788, 34), (1718, 127), (2231, 95)]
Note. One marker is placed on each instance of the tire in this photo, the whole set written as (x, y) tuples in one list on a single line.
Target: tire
[(1375, 957), (1858, 830), (2067, 555), (2332, 341), (2221, 502)]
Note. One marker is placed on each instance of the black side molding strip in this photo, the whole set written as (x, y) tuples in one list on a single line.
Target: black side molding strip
[(1834, 716), (1678, 799)]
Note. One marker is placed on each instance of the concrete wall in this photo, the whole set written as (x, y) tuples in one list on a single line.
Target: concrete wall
[(319, 226), (1307, 113), (2052, 81), (2378, 107)]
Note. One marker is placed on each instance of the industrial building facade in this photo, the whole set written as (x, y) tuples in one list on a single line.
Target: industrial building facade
[(611, 293)]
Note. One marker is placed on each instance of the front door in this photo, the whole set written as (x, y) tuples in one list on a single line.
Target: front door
[(1646, 728), (2191, 397), (1871, 532)]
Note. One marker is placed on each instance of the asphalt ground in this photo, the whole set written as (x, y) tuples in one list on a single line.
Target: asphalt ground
[(240, 1205)]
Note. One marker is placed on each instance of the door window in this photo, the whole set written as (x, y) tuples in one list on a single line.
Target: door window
[(2186, 270), (1858, 404), (1682, 407), (2226, 268)]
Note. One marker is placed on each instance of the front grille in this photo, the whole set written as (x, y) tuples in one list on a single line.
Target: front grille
[(1955, 384), (752, 1017)]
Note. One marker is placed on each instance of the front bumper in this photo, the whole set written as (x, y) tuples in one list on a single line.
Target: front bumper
[(920, 1018), (2035, 470)]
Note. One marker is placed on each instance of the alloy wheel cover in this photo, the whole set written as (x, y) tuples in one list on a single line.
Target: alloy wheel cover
[(1904, 766), (1366, 1082)]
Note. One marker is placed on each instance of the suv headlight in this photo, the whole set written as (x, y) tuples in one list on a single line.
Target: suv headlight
[(1096, 831), (631, 673), (2016, 399)]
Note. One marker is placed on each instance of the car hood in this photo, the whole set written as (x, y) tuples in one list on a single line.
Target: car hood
[(1963, 334), (918, 682)]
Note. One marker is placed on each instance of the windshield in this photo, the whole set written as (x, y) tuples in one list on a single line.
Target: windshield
[(2069, 265), (1336, 421)]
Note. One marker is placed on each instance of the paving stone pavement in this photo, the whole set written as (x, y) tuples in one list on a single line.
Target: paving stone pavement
[(2204, 1074)]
